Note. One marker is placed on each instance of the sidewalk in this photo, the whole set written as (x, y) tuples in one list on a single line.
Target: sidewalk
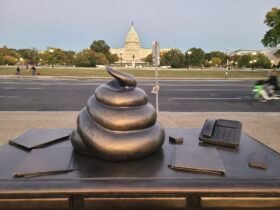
[(108, 77), (264, 126)]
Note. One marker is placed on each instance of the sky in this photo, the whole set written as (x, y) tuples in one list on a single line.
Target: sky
[(183, 24)]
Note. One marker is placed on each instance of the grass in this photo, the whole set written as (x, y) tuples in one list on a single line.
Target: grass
[(170, 73)]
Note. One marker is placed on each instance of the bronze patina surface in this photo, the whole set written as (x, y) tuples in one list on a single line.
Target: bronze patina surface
[(118, 123), (146, 183)]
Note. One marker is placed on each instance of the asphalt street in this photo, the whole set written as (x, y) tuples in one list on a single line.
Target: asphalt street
[(174, 96)]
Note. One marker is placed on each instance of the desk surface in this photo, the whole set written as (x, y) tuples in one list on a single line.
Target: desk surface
[(150, 174)]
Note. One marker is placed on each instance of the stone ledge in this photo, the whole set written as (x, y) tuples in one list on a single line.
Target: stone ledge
[(263, 126)]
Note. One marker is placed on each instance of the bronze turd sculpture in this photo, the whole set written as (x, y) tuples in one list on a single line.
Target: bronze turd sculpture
[(118, 123)]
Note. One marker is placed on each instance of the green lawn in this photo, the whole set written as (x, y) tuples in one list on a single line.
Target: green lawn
[(170, 73)]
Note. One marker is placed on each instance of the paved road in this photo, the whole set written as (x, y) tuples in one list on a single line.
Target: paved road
[(176, 96)]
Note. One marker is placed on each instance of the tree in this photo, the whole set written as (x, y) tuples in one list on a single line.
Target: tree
[(90, 58), (149, 59), (1, 56), (1, 60), (196, 58), (81, 60), (30, 55), (244, 60), (85, 58), (272, 36), (100, 59), (100, 46), (54, 56), (8, 56), (216, 61), (277, 54), (112, 58), (10, 60), (217, 54), (252, 61), (263, 61), (69, 55), (174, 58), (9, 51)]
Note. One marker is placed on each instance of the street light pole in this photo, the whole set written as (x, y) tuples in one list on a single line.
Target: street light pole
[(272, 63), (254, 61), (51, 51), (121, 54), (156, 61), (189, 55)]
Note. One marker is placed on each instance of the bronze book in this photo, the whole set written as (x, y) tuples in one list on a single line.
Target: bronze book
[(40, 137), (46, 161), (197, 159)]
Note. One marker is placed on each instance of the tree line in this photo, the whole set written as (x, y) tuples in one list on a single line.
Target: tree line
[(196, 57), (98, 53)]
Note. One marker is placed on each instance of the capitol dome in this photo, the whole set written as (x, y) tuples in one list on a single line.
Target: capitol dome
[(132, 36), (132, 45)]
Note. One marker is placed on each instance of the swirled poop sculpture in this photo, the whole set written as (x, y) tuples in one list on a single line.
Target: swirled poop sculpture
[(118, 123)]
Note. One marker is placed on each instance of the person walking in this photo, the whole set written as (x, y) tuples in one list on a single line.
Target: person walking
[(18, 70), (226, 74), (33, 70)]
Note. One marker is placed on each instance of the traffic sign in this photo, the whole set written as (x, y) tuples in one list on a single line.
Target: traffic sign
[(156, 53), (155, 89)]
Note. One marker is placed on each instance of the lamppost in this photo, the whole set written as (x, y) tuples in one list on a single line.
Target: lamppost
[(121, 54), (88, 60), (21, 60), (272, 63), (210, 64), (189, 55), (236, 63), (51, 51), (254, 58), (253, 62)]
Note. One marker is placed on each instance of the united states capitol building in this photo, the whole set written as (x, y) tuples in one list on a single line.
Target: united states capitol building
[(132, 53)]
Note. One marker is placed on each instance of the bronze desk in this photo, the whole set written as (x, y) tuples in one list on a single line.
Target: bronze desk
[(146, 183)]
